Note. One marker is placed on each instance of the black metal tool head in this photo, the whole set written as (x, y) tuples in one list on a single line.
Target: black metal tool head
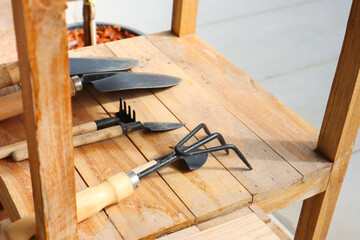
[(116, 81), (195, 161), (193, 156), (124, 113), (193, 150)]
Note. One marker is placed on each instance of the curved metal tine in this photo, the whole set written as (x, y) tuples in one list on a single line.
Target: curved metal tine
[(220, 148), (188, 151), (241, 156), (192, 133), (120, 105), (129, 114)]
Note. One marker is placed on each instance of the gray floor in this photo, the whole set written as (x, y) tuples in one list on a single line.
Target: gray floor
[(290, 46)]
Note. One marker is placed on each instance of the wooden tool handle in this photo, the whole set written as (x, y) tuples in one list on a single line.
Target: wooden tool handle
[(84, 128), (9, 74), (23, 228), (89, 202), (141, 168), (93, 199), (10, 105), (91, 137), (6, 151)]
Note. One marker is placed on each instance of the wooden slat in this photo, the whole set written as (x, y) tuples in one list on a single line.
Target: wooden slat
[(278, 231), (223, 218), (266, 219), (192, 104), (180, 234), (298, 193), (47, 111), (260, 213), (338, 132), (246, 228), (16, 190), (276, 124), (184, 17)]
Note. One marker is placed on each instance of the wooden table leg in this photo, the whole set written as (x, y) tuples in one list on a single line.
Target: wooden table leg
[(338, 132)]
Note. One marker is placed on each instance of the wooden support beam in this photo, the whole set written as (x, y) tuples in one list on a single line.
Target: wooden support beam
[(42, 50), (89, 23), (338, 132), (184, 17)]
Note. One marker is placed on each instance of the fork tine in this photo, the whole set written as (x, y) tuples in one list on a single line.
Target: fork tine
[(124, 114), (120, 107)]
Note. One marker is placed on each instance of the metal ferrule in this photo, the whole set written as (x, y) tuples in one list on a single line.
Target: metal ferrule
[(130, 127), (77, 83), (133, 178), (106, 122)]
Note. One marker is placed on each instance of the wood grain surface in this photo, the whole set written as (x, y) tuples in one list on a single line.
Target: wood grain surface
[(248, 227), (293, 138)]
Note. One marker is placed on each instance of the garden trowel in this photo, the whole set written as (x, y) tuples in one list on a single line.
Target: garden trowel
[(11, 104), (10, 75)]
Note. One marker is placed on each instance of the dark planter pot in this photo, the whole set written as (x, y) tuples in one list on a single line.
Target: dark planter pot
[(79, 25)]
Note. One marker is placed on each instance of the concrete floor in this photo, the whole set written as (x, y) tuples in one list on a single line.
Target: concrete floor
[(291, 47)]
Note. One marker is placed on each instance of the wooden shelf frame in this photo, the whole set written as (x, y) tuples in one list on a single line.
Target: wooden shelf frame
[(48, 120), (41, 39)]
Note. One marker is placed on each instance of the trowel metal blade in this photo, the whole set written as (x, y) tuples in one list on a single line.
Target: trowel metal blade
[(128, 80), (100, 64)]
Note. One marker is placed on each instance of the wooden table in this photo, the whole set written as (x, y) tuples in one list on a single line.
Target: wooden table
[(213, 91)]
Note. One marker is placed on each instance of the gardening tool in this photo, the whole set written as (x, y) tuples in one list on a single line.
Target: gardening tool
[(119, 186), (103, 82), (10, 75), (120, 117), (124, 122)]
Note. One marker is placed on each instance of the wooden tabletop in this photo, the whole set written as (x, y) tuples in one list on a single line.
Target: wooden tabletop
[(276, 141)]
